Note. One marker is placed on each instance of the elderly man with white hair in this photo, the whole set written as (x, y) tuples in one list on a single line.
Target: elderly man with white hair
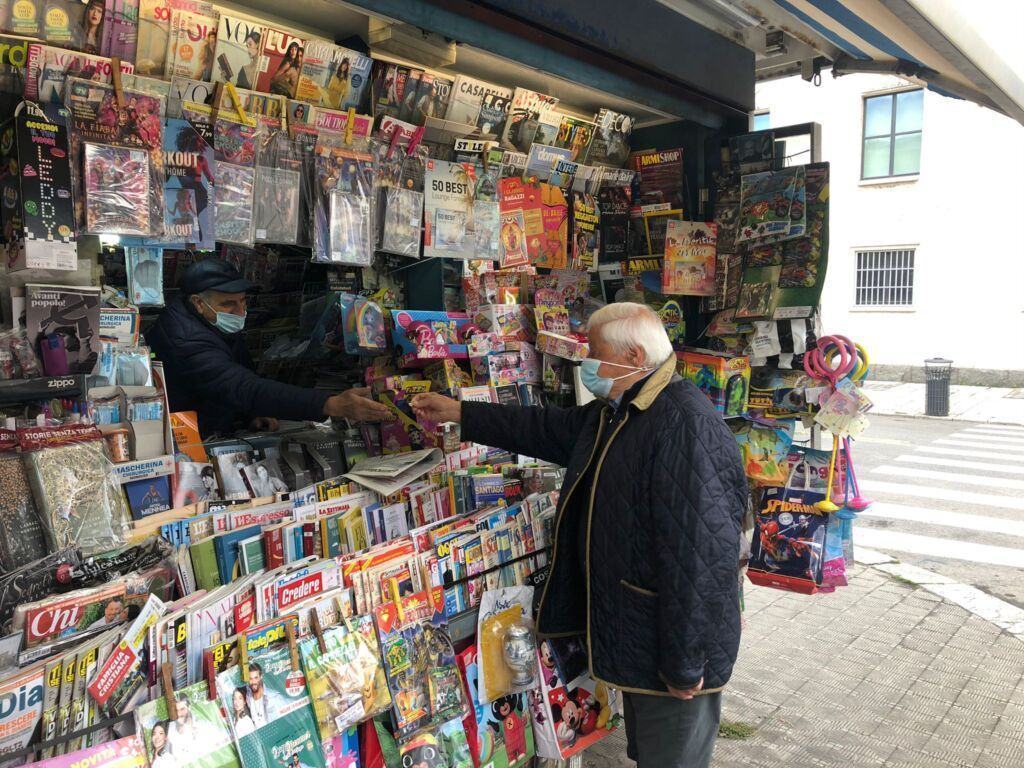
[(644, 562)]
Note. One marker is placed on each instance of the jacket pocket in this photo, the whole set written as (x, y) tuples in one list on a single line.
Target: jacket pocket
[(638, 590)]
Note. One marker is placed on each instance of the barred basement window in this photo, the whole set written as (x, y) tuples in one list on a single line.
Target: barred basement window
[(885, 278)]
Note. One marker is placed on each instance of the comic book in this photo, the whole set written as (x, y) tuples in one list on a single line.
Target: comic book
[(270, 712), (237, 57), (332, 76), (49, 68), (575, 134), (280, 63), (527, 112), (689, 267), (191, 44)]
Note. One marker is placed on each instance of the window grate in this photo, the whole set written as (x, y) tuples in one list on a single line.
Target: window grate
[(885, 278)]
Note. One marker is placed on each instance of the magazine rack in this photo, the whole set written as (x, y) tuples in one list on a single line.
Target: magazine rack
[(33, 750)]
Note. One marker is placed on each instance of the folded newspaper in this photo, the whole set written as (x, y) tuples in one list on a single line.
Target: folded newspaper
[(387, 474)]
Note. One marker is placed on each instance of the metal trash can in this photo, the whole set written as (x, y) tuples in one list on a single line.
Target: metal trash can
[(937, 371)]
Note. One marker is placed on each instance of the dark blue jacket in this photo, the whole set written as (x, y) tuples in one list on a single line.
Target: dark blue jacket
[(212, 373), (662, 500)]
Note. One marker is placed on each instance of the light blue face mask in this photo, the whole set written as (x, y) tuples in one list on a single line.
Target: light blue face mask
[(601, 386), (228, 322)]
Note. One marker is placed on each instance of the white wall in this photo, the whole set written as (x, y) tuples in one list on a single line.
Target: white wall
[(964, 214)]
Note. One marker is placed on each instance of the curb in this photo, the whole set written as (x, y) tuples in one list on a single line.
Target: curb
[(1004, 615)]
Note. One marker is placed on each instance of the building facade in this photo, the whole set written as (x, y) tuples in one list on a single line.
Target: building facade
[(926, 252)]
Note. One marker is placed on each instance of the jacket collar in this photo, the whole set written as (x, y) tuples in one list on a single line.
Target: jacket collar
[(656, 382)]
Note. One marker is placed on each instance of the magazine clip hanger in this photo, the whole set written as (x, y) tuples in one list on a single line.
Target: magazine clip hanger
[(398, 602), (243, 655), (417, 137), (394, 143), (168, 686), (236, 102), (293, 649), (318, 630), (115, 78), (350, 124), (484, 161), (218, 96)]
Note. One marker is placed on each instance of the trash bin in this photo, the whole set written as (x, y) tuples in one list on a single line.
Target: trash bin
[(937, 371)]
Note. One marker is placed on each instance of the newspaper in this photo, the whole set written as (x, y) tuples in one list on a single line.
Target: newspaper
[(387, 474)]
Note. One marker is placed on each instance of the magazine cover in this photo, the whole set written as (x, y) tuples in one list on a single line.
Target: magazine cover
[(448, 207), (121, 29), (189, 189), (332, 76), (542, 159), (468, 97), (689, 267), (82, 610), (661, 177), (522, 222), (239, 47), (584, 234), (412, 84), (432, 98), (73, 313), (48, 68), (13, 60), (194, 482), (270, 713), (575, 134), (610, 145), (527, 112), (191, 46), (198, 737), (280, 63), (555, 222), (234, 204), (127, 752), (26, 21), (63, 24), (116, 190)]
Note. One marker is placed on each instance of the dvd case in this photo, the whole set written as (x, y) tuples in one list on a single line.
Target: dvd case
[(234, 204), (351, 229), (116, 190), (401, 221)]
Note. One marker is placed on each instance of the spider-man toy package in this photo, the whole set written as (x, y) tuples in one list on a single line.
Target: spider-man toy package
[(789, 541)]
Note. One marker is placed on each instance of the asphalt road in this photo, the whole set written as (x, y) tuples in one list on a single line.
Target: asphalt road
[(949, 497)]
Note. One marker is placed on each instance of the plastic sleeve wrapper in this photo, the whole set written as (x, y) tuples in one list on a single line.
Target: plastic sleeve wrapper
[(18, 359), (502, 611), (22, 538), (124, 365), (145, 270), (343, 215), (117, 158), (79, 500), (280, 188), (400, 221), (235, 144)]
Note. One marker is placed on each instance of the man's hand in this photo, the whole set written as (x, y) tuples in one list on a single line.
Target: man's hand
[(687, 693), (356, 405), (263, 424), (437, 408)]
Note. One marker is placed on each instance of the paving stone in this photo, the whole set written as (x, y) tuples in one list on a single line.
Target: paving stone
[(877, 675)]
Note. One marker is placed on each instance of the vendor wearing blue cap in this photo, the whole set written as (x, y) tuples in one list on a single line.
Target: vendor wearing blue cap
[(208, 368)]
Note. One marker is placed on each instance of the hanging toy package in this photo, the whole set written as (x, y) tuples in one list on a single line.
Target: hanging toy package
[(788, 549), (343, 210), (765, 447), (117, 156), (508, 650)]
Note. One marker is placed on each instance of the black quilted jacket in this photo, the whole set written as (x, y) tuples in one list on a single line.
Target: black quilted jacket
[(657, 595)]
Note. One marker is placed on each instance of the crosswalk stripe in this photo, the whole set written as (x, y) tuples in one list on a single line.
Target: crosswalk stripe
[(985, 430), (973, 454), (989, 437), (878, 538), (1000, 427), (981, 444), (982, 523), (942, 494), (985, 466), (951, 477)]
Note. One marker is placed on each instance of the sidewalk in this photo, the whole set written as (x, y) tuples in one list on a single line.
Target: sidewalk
[(878, 674), (1003, 406)]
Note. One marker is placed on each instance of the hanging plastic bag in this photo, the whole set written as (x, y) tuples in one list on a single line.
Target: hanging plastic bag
[(504, 626), (279, 190), (343, 204)]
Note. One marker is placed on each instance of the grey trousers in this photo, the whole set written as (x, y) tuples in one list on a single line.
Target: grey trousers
[(665, 732)]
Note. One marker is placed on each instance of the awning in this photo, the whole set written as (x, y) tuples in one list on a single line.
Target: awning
[(954, 47)]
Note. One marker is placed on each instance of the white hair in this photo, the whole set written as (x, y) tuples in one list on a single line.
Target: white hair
[(626, 325)]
